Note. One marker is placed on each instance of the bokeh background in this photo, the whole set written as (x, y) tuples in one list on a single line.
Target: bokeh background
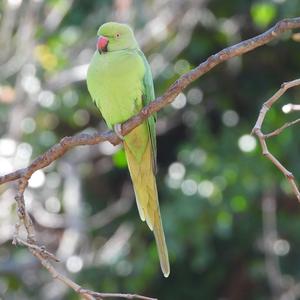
[(231, 221)]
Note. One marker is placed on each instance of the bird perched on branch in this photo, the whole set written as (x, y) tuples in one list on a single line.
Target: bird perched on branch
[(120, 82)]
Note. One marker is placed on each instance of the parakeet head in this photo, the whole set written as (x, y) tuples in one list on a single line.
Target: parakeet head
[(114, 36)]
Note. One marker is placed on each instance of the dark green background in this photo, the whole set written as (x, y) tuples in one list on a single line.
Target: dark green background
[(215, 238)]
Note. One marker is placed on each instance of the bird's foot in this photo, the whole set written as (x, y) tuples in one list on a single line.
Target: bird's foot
[(118, 130)]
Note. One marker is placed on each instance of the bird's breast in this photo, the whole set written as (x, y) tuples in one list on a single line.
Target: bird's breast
[(115, 81)]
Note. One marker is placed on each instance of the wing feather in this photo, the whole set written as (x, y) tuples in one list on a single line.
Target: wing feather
[(148, 96)]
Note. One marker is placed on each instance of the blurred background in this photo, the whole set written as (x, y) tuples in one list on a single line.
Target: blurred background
[(231, 221)]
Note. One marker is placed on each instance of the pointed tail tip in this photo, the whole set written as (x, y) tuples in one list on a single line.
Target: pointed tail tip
[(166, 270), (166, 273)]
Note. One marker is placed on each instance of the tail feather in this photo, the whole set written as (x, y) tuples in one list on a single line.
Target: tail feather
[(144, 183), (162, 247)]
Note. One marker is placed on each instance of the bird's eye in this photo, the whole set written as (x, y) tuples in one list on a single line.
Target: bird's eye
[(117, 35)]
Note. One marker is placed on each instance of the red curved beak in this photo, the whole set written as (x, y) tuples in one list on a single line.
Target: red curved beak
[(102, 44)]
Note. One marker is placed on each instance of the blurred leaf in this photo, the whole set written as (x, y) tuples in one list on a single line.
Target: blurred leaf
[(119, 159), (263, 13)]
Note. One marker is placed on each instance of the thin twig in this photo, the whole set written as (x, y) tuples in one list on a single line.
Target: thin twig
[(67, 143), (115, 295), (262, 137), (279, 130), (295, 107), (41, 249), (290, 108)]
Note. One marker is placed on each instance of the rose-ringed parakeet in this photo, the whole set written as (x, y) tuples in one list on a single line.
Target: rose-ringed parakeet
[(120, 82)]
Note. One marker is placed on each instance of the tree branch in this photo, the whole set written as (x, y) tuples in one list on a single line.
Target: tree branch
[(67, 143), (262, 137)]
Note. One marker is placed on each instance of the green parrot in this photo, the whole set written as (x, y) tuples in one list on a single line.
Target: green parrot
[(120, 82)]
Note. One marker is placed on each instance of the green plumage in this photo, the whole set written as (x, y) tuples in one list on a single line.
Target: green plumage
[(120, 82)]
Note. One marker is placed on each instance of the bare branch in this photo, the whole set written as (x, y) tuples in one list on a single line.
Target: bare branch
[(42, 250), (262, 137), (123, 296), (67, 143), (290, 107), (43, 255), (279, 130)]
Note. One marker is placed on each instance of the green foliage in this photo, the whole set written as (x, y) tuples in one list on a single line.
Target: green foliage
[(119, 159), (263, 13), (211, 174)]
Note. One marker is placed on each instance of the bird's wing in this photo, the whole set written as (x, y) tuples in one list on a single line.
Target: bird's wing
[(149, 96)]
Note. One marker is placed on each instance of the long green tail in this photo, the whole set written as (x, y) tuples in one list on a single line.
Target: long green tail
[(140, 163)]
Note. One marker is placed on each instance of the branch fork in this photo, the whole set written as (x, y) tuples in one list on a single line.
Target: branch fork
[(262, 137)]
